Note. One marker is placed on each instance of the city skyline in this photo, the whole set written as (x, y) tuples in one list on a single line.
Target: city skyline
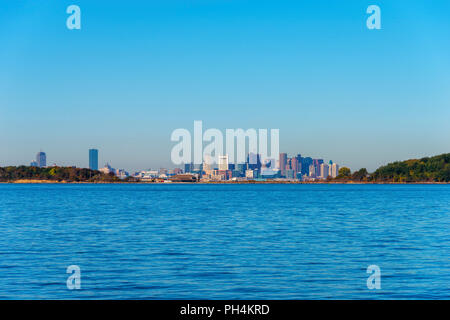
[(41, 160), (285, 167)]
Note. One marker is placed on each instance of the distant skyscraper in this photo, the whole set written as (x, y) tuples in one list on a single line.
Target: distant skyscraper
[(317, 163), (241, 167), (33, 164), (188, 167), (295, 165), (306, 163), (288, 164), (223, 162), (299, 163), (312, 171), (41, 159), (334, 170), (254, 161), (283, 162), (207, 164), (324, 170), (93, 159)]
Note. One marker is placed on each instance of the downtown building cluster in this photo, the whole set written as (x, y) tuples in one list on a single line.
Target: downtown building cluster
[(287, 168)]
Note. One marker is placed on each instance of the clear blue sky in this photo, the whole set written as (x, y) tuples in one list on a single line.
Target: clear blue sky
[(137, 70)]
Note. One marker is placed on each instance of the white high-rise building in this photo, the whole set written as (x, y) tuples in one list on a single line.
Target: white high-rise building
[(334, 170), (324, 168), (223, 162), (312, 171), (207, 164)]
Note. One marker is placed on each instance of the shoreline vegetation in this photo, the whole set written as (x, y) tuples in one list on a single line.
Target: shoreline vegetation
[(429, 170)]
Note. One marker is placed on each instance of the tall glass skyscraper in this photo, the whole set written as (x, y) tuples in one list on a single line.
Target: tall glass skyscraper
[(41, 159), (93, 159), (282, 164), (306, 163)]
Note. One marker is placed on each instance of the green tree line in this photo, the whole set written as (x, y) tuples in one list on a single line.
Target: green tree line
[(429, 169), (56, 174)]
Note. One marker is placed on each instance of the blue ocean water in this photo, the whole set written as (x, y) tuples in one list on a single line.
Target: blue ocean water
[(224, 241)]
